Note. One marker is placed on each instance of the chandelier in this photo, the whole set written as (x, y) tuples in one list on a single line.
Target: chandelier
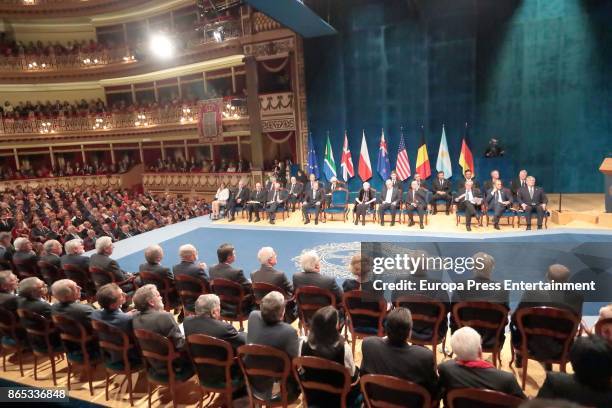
[(141, 120), (45, 127), (186, 115), (100, 124)]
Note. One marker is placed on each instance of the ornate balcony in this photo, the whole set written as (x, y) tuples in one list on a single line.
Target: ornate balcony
[(63, 8), (191, 183)]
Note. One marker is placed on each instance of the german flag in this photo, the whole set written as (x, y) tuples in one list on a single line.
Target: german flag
[(422, 161), (466, 160)]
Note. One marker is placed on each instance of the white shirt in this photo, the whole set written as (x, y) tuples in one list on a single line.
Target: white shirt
[(388, 196)]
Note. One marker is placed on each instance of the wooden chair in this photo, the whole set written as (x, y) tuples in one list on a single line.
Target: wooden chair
[(256, 352), (309, 300), (415, 304), (82, 278), (481, 325), (158, 348), (301, 366), (73, 333), (12, 337), (100, 277), (553, 314), (599, 326), (230, 294), (26, 269), (385, 391), (164, 286), (41, 332), (189, 290), (122, 344), (50, 273), (355, 303), (478, 397), (219, 355), (261, 289)]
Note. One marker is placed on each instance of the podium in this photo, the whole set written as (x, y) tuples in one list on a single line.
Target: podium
[(606, 169)]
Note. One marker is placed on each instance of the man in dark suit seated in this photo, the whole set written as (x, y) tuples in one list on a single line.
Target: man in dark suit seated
[(533, 199), (6, 250), (256, 202), (226, 254), (468, 176), (294, 191), (74, 255), (469, 370), (490, 184), (102, 260), (390, 199), (546, 347), (238, 197), (311, 264), (518, 183), (267, 274), (591, 383), (441, 188), (499, 199), (8, 285), (482, 276), (469, 199), (53, 251), (276, 198), (32, 292), (152, 317), (266, 327), (416, 199), (125, 232), (393, 355), (334, 184), (110, 297), (153, 257), (313, 198), (24, 258), (366, 200)]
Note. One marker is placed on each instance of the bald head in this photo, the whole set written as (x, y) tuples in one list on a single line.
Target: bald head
[(558, 273)]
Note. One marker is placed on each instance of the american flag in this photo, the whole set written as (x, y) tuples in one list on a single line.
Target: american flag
[(402, 165)]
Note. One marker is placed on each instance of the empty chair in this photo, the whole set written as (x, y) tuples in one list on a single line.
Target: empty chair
[(385, 391)]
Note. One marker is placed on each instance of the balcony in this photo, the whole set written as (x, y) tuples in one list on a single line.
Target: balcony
[(63, 8)]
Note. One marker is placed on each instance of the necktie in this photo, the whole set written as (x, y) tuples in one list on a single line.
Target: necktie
[(468, 196), (531, 192), (498, 196), (239, 191), (274, 198), (291, 191)]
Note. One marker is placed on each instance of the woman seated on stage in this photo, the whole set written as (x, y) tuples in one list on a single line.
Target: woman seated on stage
[(221, 198)]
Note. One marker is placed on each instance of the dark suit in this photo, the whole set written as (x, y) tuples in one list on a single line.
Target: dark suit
[(493, 202), (162, 273), (312, 199), (533, 203), (259, 199), (467, 206), (6, 225), (25, 262), (80, 261), (516, 186), (80, 313), (546, 347), (321, 281), (43, 309), (567, 387), (53, 260), (163, 323), (107, 264), (275, 199), (8, 301), (454, 376), (294, 192), (226, 271), (392, 205), (238, 197), (364, 202), (267, 274), (461, 184), (409, 362), (416, 201), (123, 322), (441, 191), (329, 191)]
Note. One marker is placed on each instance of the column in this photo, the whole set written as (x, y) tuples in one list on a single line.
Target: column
[(52, 156), (254, 115), (112, 152), (141, 152), (233, 80), (83, 154), (163, 151), (17, 164)]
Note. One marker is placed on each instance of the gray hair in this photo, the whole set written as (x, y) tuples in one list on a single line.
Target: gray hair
[(186, 250), (206, 304), (50, 244), (309, 260), (142, 297), (466, 344), (530, 178), (558, 273), (71, 246), (28, 288), (4, 235), (272, 307), (20, 243), (62, 289), (102, 243), (4, 276), (153, 253), (488, 263), (265, 254)]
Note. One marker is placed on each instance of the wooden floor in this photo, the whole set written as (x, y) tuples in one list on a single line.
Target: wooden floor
[(189, 393)]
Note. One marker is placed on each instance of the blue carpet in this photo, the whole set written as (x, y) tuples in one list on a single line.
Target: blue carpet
[(518, 256)]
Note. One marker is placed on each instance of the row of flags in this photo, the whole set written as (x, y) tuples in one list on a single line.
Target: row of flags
[(383, 165)]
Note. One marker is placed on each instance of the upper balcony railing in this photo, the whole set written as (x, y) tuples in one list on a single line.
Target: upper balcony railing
[(63, 8), (37, 63)]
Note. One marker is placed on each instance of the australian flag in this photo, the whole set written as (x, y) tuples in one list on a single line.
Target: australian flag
[(313, 166)]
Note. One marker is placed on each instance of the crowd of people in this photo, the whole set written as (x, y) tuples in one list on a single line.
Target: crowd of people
[(12, 48), (197, 164), (65, 169), (42, 214), (140, 304)]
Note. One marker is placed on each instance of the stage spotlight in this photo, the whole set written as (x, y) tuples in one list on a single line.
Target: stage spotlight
[(218, 34), (161, 46)]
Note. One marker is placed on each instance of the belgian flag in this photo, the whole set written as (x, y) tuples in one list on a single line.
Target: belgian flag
[(422, 161), (466, 160)]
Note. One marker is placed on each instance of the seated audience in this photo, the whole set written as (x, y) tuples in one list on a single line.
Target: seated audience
[(276, 199), (67, 293), (606, 329), (267, 274), (101, 260), (8, 286), (532, 199), (53, 251), (311, 264), (74, 255), (366, 200), (6, 250), (24, 258), (325, 341), (390, 199), (469, 200), (591, 383), (238, 197), (393, 355), (221, 198), (469, 370), (442, 190), (294, 192), (256, 202), (226, 254), (416, 200), (32, 292), (189, 264)]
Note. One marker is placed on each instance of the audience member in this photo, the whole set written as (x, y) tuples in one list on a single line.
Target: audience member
[(101, 260), (8, 286), (311, 264), (226, 254)]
